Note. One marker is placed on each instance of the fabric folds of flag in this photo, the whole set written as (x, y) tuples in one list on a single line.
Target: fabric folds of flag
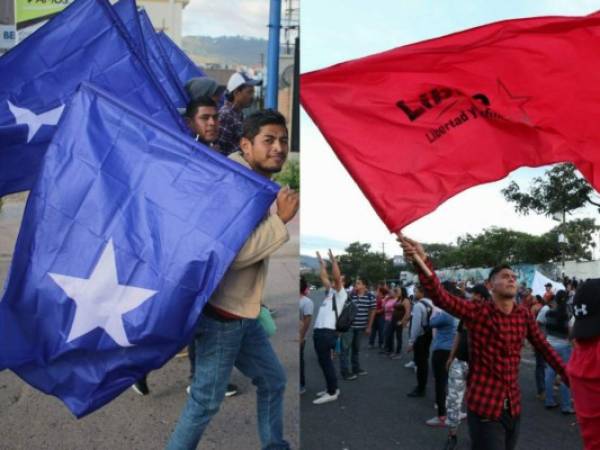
[(183, 65), (126, 234), (160, 64), (418, 124), (85, 42)]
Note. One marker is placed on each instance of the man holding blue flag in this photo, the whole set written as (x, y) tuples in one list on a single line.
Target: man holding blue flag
[(228, 333), (124, 239)]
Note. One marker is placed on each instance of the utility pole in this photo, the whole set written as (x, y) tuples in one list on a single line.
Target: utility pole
[(273, 54)]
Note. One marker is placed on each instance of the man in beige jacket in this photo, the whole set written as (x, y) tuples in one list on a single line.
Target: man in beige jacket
[(229, 334)]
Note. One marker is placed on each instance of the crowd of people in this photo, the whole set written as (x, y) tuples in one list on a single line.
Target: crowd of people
[(472, 336)]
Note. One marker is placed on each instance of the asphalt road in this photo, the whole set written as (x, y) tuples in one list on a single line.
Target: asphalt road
[(373, 412), (31, 420)]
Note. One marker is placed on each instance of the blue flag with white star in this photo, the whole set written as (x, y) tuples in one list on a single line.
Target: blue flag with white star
[(85, 42), (183, 65), (126, 234)]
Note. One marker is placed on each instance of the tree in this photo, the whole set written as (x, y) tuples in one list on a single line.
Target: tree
[(561, 191), (360, 261)]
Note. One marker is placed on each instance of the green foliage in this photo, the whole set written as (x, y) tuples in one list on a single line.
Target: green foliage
[(289, 175), (496, 245), (560, 191), (360, 261)]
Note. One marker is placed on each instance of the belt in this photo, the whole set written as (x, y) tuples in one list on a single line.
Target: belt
[(210, 311)]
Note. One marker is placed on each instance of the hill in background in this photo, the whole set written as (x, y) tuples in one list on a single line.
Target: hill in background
[(225, 50)]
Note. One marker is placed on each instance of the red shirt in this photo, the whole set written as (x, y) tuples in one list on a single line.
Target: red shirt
[(584, 377), (496, 341)]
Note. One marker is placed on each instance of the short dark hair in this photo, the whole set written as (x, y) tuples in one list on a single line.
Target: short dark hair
[(258, 119), (193, 105), (303, 285), (497, 269), (482, 291)]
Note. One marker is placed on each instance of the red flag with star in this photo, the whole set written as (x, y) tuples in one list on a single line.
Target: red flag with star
[(418, 124)]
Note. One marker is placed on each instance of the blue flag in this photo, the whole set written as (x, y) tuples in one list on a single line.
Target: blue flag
[(183, 65), (125, 236), (128, 13), (85, 42), (159, 64)]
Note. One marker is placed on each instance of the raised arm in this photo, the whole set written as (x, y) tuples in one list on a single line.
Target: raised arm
[(323, 273), (456, 306), (336, 274)]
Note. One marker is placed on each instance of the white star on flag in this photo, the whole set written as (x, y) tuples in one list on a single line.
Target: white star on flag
[(101, 300), (35, 121)]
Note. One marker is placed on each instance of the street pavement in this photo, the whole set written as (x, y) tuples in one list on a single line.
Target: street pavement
[(374, 413), (32, 420)]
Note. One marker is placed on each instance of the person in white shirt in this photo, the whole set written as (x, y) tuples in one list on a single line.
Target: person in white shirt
[(306, 313), (324, 330)]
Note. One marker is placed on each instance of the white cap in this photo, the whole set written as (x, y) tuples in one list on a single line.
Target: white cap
[(238, 79)]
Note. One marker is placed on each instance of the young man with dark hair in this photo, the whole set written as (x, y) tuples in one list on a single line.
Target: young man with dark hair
[(202, 118), (240, 93), (229, 333), (497, 329)]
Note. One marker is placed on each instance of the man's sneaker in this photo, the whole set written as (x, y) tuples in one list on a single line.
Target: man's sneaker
[(437, 421), (302, 390), (462, 416), (187, 389), (568, 412), (326, 398), (552, 406), (451, 443), (396, 356), (231, 390), (350, 377), (141, 387), (361, 372), (410, 365), (322, 393), (416, 393)]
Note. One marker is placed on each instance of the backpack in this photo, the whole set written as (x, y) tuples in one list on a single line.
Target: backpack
[(346, 317), (429, 308)]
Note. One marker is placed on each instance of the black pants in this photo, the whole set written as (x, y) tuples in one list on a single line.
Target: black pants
[(486, 434), (393, 329), (302, 378), (324, 340), (421, 349), (438, 364)]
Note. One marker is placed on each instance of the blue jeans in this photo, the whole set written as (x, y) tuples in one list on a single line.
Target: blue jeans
[(219, 346), (325, 341), (564, 351), (350, 351)]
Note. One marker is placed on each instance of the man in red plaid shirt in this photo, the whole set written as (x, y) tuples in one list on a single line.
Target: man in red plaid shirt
[(497, 329)]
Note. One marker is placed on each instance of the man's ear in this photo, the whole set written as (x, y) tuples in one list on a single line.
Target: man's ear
[(245, 145)]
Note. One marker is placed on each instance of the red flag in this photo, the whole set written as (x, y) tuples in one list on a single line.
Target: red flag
[(418, 124)]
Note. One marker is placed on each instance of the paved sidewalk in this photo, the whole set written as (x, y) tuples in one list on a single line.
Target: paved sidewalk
[(31, 420)]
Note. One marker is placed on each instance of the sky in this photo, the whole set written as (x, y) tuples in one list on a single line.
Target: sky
[(334, 212), (226, 18)]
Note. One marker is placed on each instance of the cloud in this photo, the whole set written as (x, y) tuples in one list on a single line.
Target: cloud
[(231, 18)]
